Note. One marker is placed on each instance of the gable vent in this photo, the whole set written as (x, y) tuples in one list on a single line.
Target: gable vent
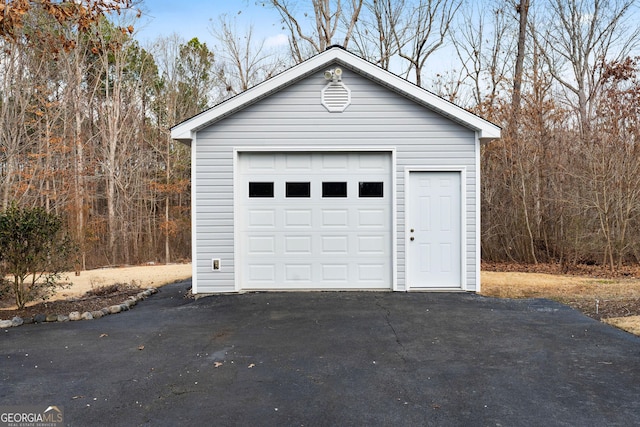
[(336, 97)]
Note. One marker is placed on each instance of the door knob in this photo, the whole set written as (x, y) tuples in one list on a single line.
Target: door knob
[(412, 230), (412, 238)]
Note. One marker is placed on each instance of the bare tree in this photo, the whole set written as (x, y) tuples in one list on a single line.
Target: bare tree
[(484, 46), (522, 8), (77, 136), (329, 20), (575, 35), (14, 103), (373, 32), (116, 112), (610, 174), (429, 21), (243, 61)]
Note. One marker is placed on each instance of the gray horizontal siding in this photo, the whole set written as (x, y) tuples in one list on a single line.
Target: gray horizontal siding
[(294, 117)]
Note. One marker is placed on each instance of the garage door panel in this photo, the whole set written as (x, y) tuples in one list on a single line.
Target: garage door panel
[(372, 163), (376, 218), (332, 163), (300, 273), (374, 244), (371, 273), (295, 245), (261, 163), (311, 241), (261, 273), (334, 245), (298, 217), (298, 161), (263, 245), (262, 218), (335, 218), (335, 273)]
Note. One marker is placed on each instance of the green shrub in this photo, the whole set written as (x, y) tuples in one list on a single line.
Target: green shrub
[(34, 250)]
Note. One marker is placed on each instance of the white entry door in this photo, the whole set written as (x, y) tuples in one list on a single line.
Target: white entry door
[(434, 230)]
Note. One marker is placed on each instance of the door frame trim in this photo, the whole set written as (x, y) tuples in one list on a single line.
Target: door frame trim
[(391, 151), (462, 170)]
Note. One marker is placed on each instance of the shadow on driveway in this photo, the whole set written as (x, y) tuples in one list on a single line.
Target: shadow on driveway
[(335, 358)]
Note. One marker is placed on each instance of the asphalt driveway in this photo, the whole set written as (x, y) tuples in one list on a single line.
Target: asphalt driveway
[(325, 359)]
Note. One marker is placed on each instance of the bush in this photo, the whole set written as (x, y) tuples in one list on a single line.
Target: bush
[(34, 250)]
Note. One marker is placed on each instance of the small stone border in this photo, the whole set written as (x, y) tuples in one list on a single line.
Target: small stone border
[(128, 304)]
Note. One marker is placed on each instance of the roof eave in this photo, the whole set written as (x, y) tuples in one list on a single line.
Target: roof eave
[(486, 136)]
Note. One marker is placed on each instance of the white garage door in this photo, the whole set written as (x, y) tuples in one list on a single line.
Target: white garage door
[(314, 220)]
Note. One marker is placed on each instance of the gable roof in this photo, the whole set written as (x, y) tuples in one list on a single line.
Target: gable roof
[(186, 130)]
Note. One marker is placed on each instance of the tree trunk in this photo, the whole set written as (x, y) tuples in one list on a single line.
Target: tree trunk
[(523, 10), (167, 254)]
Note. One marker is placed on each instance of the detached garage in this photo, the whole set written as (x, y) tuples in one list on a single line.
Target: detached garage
[(335, 175)]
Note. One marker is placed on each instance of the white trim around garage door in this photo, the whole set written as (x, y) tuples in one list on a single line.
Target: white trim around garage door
[(315, 149), (463, 227)]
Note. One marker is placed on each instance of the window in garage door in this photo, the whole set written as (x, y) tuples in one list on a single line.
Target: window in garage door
[(298, 189), (334, 189)]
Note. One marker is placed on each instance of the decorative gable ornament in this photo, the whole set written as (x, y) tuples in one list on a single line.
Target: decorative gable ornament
[(336, 97)]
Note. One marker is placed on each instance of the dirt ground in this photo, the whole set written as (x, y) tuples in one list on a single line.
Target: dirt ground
[(95, 289), (612, 297), (143, 276)]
